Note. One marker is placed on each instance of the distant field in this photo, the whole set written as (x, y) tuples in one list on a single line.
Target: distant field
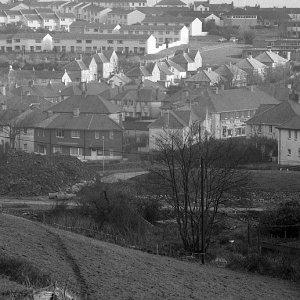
[(275, 181)]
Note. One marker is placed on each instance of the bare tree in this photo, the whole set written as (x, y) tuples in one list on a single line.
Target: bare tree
[(177, 164)]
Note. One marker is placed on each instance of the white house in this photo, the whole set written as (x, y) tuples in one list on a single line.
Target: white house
[(289, 142)]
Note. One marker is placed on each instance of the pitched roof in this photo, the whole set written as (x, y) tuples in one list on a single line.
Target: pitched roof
[(89, 104), (250, 63), (164, 68), (172, 120), (144, 94), (29, 117), (205, 76), (182, 58), (171, 3), (137, 125), (75, 65), (294, 123), (177, 67), (239, 99), (93, 88), (82, 122), (6, 116), (24, 102), (229, 71), (277, 114), (270, 57)]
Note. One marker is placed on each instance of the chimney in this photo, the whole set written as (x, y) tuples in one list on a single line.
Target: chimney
[(209, 69), (288, 55), (3, 90), (83, 88), (76, 112), (217, 90), (50, 113)]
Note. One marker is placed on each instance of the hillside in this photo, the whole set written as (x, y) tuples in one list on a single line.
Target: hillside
[(108, 271)]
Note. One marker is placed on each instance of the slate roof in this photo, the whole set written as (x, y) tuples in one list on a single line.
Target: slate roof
[(205, 76), (144, 94), (75, 65), (171, 3), (163, 67), (294, 123), (270, 57), (250, 63), (23, 103), (137, 125), (171, 120), (89, 104), (93, 88), (171, 63), (239, 99), (182, 58), (82, 122), (229, 71), (277, 114), (29, 117), (6, 116)]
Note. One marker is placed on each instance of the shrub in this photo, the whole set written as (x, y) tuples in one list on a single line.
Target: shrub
[(272, 265), (23, 272)]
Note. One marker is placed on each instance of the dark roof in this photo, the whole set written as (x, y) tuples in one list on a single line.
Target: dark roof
[(137, 125), (6, 116), (30, 117), (23, 103), (93, 88), (276, 114), (82, 122), (294, 123), (172, 120), (89, 104), (171, 3)]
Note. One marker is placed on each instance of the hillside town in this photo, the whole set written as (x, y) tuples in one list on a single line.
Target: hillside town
[(160, 108)]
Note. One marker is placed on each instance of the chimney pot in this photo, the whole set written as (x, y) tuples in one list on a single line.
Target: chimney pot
[(76, 112)]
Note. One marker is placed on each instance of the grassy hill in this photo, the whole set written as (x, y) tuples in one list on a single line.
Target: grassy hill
[(108, 271)]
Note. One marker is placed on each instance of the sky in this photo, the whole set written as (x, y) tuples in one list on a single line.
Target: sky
[(262, 3)]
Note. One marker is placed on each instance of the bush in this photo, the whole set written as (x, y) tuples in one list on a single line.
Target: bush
[(23, 272), (272, 265), (286, 217)]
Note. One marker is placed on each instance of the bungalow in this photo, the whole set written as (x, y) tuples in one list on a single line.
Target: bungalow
[(241, 18), (202, 6)]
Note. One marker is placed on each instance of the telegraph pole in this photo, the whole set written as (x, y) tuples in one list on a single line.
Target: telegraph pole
[(202, 213)]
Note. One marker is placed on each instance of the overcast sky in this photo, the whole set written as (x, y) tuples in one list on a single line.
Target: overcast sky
[(263, 3)]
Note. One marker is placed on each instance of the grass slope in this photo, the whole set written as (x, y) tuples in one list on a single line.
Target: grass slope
[(112, 272)]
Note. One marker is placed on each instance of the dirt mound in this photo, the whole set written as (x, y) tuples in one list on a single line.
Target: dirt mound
[(28, 174)]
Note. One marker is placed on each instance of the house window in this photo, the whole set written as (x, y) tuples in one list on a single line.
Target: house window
[(75, 134), (41, 149), (270, 129), (76, 151), (88, 41), (259, 129), (78, 41), (111, 135), (99, 152), (289, 152), (57, 149), (60, 133), (111, 152), (25, 147), (97, 135), (296, 134), (110, 42), (25, 131), (17, 40), (290, 134), (41, 132)]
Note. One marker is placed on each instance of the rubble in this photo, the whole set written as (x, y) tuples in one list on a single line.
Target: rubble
[(28, 174)]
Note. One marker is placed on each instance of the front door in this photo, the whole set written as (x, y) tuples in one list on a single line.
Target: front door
[(94, 153)]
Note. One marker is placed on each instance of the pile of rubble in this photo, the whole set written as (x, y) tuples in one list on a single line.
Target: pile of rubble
[(28, 174)]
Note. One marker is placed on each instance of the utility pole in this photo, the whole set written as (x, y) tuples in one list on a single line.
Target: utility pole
[(103, 154), (202, 212)]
